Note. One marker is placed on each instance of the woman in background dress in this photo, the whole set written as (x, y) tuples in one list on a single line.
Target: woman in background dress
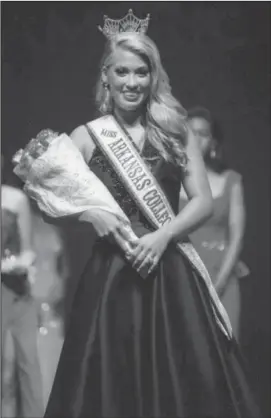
[(219, 241), (49, 275), (19, 313)]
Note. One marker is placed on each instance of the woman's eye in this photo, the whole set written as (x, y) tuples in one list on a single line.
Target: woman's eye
[(143, 73), (204, 134), (121, 71)]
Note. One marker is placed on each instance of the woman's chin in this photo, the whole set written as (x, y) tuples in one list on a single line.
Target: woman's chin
[(131, 106)]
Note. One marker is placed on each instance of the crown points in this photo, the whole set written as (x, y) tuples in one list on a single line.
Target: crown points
[(129, 23)]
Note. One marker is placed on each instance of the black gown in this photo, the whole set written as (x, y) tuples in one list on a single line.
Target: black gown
[(146, 348)]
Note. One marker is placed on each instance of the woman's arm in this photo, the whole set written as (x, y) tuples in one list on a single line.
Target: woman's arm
[(17, 202), (196, 185), (83, 142), (150, 247), (26, 256), (236, 229), (105, 224), (24, 222)]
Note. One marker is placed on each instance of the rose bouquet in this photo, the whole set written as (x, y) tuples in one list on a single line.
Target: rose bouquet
[(56, 176)]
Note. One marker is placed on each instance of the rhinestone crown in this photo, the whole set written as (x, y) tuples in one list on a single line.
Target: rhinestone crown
[(129, 23)]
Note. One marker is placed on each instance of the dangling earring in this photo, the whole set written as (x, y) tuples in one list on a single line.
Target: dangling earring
[(213, 150), (213, 153), (106, 105)]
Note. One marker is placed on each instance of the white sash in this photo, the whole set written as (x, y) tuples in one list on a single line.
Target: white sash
[(150, 198)]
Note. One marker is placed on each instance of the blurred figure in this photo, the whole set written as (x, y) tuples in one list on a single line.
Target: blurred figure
[(48, 277), (219, 240), (19, 314), (50, 269)]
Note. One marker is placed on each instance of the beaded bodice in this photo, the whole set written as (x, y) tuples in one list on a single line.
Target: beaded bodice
[(166, 174)]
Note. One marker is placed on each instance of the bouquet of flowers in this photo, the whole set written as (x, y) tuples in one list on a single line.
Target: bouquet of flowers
[(56, 176)]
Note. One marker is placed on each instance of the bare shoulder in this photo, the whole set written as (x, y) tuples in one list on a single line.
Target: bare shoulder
[(192, 149), (194, 158), (83, 141), (233, 177), (13, 198), (191, 142), (13, 192)]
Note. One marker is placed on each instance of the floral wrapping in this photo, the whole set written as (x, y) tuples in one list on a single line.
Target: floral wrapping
[(58, 179)]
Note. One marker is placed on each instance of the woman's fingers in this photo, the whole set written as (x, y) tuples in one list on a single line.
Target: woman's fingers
[(123, 242), (146, 262), (127, 232), (153, 264), (137, 254), (138, 258)]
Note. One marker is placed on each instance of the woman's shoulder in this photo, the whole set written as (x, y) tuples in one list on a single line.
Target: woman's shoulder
[(82, 138), (83, 141), (13, 198), (13, 192), (81, 133), (233, 176)]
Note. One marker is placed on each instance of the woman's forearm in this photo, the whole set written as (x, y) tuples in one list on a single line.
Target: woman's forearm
[(76, 220), (196, 212), (229, 261), (236, 228)]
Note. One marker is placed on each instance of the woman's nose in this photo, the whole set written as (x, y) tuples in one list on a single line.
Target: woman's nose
[(132, 81)]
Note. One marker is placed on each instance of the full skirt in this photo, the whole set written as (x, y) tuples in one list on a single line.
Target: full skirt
[(147, 348)]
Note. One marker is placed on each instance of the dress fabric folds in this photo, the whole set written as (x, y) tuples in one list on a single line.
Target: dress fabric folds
[(146, 348)]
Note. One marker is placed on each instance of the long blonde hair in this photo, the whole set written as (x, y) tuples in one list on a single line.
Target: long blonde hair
[(165, 117)]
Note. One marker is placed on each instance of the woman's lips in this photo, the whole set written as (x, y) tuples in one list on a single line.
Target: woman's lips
[(132, 97)]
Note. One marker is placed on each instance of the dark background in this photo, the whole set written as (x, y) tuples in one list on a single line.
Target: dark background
[(216, 54)]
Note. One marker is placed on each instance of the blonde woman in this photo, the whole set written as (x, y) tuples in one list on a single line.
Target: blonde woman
[(145, 347)]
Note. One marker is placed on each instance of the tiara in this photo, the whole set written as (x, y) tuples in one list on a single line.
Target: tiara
[(129, 23)]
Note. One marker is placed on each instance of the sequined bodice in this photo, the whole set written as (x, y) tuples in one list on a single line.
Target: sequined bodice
[(10, 243), (166, 174)]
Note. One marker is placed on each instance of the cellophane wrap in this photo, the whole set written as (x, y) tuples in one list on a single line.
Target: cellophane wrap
[(57, 177)]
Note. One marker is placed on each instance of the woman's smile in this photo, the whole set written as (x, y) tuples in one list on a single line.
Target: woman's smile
[(131, 96), (129, 80)]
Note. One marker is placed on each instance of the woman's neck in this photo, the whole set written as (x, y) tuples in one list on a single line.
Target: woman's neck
[(128, 118), (210, 172), (208, 169)]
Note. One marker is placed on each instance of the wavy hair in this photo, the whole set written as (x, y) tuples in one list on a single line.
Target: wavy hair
[(165, 118)]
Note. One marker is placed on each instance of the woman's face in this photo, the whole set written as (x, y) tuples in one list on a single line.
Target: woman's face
[(129, 80), (202, 131)]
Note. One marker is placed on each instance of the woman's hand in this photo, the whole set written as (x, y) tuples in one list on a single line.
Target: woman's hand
[(109, 226), (106, 224), (18, 264), (8, 265), (149, 250)]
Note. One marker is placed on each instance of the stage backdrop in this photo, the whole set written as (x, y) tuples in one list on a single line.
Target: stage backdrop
[(216, 54)]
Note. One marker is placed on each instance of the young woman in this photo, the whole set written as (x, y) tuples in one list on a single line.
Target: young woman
[(49, 277), (153, 347), (219, 241), (19, 313)]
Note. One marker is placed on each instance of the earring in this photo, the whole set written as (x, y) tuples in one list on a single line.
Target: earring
[(213, 153), (106, 105)]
